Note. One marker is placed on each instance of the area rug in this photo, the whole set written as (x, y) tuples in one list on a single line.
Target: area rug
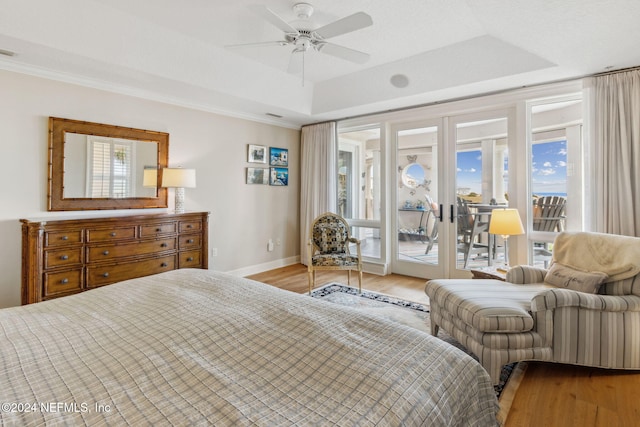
[(408, 313)]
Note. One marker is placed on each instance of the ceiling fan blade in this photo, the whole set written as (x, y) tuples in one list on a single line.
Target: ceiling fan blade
[(343, 52), (271, 43), (272, 18), (345, 25)]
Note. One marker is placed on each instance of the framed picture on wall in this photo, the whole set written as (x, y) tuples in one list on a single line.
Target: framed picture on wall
[(279, 176), (278, 156), (258, 176), (257, 154)]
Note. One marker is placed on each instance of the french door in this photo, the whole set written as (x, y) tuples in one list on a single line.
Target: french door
[(443, 166), (479, 150), (417, 206)]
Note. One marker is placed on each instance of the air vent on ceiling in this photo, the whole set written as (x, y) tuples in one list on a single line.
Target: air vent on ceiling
[(6, 52), (277, 116)]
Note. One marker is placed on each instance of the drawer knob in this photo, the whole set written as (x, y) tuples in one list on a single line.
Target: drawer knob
[(105, 253), (64, 281), (113, 234), (158, 230), (190, 241), (190, 258), (64, 257), (163, 245), (105, 274), (164, 264), (65, 237), (189, 226)]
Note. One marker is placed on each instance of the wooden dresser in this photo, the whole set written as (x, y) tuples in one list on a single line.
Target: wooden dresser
[(66, 256)]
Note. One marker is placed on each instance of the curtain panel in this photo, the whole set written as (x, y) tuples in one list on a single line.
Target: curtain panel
[(318, 173), (617, 152)]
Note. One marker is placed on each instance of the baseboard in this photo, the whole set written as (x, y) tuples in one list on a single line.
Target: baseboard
[(369, 267), (374, 268), (260, 268)]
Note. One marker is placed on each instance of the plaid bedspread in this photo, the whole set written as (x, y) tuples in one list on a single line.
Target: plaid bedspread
[(195, 347)]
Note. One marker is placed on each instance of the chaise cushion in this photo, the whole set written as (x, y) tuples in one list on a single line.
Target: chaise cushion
[(486, 305)]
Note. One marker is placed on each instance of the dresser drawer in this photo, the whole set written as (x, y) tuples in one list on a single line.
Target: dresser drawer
[(123, 250), (62, 282), (64, 256), (59, 238), (189, 259), (192, 241), (152, 230), (187, 226), (103, 275), (110, 234)]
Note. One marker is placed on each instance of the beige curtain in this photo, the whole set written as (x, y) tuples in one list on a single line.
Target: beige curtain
[(318, 170), (617, 153)]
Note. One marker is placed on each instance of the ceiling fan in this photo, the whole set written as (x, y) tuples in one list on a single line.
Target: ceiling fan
[(305, 39)]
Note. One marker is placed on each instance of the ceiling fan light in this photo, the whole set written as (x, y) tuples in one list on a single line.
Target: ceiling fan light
[(303, 10)]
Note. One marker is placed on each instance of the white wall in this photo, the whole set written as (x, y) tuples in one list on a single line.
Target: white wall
[(243, 217)]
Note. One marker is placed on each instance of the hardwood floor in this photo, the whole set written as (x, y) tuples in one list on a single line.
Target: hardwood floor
[(549, 395)]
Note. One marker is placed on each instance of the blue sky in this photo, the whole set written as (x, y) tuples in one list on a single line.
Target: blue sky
[(549, 173)]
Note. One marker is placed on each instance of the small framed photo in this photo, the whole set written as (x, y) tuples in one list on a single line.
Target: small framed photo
[(279, 176), (258, 176), (278, 156), (257, 154)]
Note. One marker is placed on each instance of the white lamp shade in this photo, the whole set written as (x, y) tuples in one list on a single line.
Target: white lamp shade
[(506, 222), (178, 178)]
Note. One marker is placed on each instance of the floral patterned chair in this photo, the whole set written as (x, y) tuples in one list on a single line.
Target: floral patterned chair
[(329, 248)]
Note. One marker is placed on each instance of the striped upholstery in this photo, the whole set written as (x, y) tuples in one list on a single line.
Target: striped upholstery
[(485, 306), (523, 319)]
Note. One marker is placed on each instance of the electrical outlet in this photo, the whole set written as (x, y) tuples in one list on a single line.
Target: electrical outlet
[(270, 245), (214, 251), (278, 242)]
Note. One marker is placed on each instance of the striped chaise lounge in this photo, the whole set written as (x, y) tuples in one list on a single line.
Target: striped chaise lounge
[(584, 310)]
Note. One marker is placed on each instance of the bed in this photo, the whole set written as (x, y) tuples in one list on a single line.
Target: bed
[(197, 347)]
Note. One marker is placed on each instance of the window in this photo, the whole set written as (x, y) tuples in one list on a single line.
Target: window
[(359, 186), (555, 174)]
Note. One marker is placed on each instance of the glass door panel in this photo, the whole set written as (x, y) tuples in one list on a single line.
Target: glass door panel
[(481, 185), (416, 209)]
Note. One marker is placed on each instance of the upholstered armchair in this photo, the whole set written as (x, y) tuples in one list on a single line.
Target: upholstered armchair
[(584, 310), (328, 248)]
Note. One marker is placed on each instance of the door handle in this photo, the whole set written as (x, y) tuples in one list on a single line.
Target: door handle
[(451, 213), (441, 213)]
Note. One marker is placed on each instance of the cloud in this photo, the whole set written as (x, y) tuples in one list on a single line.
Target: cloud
[(562, 152), (547, 164), (547, 172), (459, 170), (561, 163), (472, 170)]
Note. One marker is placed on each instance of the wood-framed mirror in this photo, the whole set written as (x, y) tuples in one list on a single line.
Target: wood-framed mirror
[(94, 166)]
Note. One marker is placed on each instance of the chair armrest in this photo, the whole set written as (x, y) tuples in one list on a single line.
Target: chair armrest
[(354, 240), (523, 274), (557, 298)]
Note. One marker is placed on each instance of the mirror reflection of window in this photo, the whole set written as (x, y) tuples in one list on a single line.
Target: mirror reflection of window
[(110, 168)]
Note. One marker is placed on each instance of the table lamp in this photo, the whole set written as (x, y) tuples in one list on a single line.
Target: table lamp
[(506, 222), (179, 179)]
